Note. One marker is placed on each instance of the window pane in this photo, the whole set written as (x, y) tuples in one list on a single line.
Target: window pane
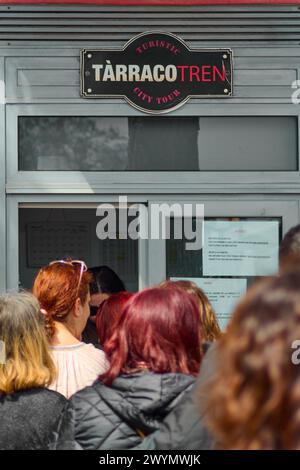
[(50, 234), (86, 143), (189, 263), (227, 248), (253, 143), (72, 143)]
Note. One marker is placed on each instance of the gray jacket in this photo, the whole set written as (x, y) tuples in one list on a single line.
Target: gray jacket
[(184, 428)]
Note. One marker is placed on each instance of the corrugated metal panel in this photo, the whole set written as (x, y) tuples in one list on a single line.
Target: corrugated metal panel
[(115, 24)]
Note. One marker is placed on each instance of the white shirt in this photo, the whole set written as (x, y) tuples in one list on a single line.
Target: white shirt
[(78, 365)]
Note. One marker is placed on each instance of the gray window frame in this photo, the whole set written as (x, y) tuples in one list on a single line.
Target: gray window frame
[(287, 210), (2, 183), (152, 253), (14, 202)]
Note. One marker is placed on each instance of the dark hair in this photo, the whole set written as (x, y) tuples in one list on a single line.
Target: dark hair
[(289, 252), (109, 313), (254, 398), (105, 281), (159, 331)]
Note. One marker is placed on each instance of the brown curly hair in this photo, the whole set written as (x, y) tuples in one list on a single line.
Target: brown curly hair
[(253, 400)]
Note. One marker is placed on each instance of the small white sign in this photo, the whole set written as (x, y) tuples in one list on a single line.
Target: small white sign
[(223, 294), (246, 248)]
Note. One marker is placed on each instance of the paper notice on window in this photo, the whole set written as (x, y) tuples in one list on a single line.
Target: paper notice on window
[(223, 295), (248, 248)]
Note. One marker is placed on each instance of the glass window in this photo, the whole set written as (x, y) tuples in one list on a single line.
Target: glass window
[(87, 143), (235, 251), (182, 262), (49, 234)]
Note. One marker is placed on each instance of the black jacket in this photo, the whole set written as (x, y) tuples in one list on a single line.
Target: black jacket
[(33, 419), (118, 417), (185, 428)]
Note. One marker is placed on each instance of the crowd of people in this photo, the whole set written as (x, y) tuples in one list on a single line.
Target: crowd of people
[(90, 366)]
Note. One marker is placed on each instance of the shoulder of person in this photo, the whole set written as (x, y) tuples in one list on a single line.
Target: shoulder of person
[(54, 395), (208, 365), (92, 349), (87, 404), (88, 394), (52, 400), (45, 395)]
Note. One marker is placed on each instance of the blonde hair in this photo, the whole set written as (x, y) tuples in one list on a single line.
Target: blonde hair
[(210, 328), (28, 363)]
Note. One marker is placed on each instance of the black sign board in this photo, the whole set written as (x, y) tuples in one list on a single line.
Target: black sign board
[(156, 72)]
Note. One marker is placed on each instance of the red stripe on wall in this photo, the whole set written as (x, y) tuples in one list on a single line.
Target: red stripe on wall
[(153, 2)]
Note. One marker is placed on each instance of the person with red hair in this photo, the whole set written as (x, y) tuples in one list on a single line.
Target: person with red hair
[(63, 291), (105, 282), (155, 355), (109, 313)]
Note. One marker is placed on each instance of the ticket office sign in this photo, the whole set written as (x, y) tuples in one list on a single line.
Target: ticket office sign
[(156, 72)]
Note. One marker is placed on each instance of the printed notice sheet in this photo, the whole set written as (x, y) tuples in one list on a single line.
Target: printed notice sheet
[(223, 294), (246, 248)]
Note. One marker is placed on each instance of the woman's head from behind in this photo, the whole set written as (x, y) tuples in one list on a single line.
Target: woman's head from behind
[(254, 400), (62, 289), (105, 282), (27, 363), (210, 327), (109, 314), (159, 331)]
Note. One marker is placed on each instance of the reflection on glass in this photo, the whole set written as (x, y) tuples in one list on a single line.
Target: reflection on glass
[(184, 263), (163, 144), (73, 143), (222, 143), (222, 291), (49, 234)]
